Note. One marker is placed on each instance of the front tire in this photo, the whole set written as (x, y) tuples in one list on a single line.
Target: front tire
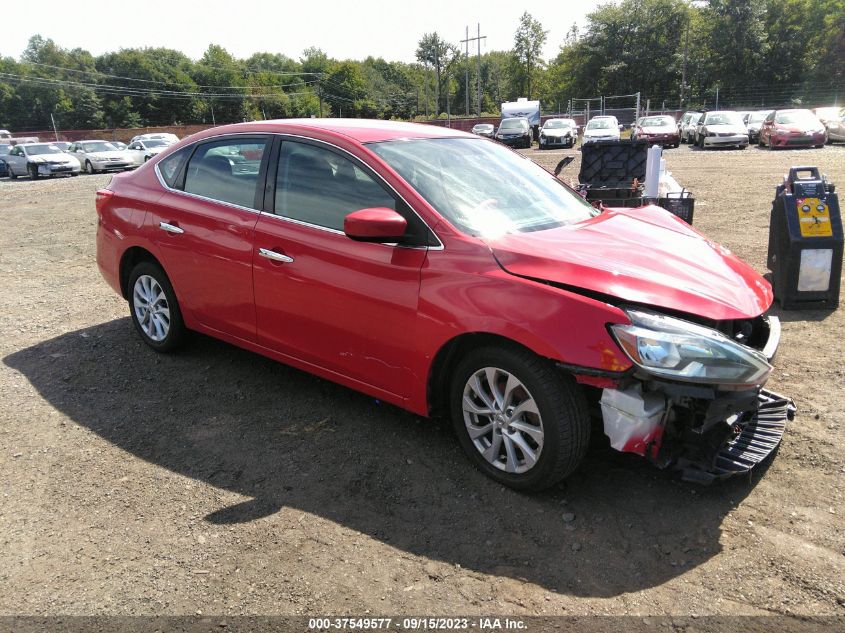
[(521, 421), (89, 168), (154, 308), (32, 170)]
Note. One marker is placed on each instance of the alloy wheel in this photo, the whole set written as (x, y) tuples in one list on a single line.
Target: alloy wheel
[(151, 308), (502, 420)]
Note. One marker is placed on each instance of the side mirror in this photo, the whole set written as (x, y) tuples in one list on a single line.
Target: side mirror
[(622, 126), (378, 224)]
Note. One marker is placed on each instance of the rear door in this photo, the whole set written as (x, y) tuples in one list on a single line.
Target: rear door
[(346, 306), (204, 227)]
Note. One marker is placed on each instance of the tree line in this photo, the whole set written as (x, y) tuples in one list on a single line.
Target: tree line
[(755, 52)]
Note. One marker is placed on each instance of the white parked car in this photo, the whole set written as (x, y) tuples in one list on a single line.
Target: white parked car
[(601, 128), (558, 133), (40, 159), (168, 138), (143, 150), (97, 156), (721, 128)]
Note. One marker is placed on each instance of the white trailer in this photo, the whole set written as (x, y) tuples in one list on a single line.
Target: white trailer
[(522, 107)]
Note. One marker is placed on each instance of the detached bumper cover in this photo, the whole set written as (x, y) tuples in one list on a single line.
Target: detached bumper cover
[(752, 438)]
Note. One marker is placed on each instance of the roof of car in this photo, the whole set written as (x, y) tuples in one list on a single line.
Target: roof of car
[(361, 130)]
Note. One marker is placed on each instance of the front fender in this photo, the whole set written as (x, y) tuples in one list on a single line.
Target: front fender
[(554, 323)]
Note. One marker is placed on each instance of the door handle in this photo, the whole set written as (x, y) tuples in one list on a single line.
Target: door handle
[(276, 257), (170, 228)]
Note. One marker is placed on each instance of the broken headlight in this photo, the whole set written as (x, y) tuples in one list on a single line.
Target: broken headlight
[(680, 350)]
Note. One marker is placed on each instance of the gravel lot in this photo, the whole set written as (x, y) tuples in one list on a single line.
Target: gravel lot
[(217, 481)]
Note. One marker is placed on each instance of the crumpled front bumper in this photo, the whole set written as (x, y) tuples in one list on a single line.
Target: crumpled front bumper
[(753, 437)]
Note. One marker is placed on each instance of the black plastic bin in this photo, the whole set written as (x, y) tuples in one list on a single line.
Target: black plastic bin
[(613, 164), (612, 175)]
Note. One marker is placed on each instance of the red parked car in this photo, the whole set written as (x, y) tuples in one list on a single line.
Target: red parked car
[(440, 272), (657, 130), (792, 128)]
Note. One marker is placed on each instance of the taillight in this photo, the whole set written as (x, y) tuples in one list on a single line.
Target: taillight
[(103, 196)]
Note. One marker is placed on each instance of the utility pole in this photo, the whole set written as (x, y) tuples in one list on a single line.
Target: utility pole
[(320, 94), (213, 120), (717, 96), (425, 83), (637, 114), (684, 67), (478, 39), (55, 131), (466, 71)]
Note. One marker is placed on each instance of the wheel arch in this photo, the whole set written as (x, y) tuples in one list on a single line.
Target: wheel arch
[(131, 257), (447, 357)]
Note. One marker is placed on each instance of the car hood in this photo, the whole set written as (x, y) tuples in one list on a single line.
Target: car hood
[(727, 129), (645, 256), (51, 158), (601, 132), (799, 128), (659, 130), (117, 153), (557, 131)]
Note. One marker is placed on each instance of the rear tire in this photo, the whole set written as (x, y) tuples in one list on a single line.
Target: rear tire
[(538, 422), (12, 175), (154, 308)]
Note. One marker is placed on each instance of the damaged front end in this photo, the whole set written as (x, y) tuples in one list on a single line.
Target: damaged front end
[(694, 400)]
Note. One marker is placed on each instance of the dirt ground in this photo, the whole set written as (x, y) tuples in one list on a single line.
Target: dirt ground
[(215, 481)]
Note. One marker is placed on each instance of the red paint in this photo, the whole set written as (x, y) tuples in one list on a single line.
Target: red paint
[(374, 316), (375, 225), (774, 134)]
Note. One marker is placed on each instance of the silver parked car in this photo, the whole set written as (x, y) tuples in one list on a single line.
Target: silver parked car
[(558, 133), (836, 128), (40, 159), (97, 156), (686, 126), (167, 137), (144, 150), (754, 122), (484, 129), (721, 128)]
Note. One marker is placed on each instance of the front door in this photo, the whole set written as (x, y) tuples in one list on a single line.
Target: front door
[(346, 306)]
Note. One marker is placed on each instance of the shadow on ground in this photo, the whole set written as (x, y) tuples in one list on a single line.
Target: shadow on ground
[(238, 421)]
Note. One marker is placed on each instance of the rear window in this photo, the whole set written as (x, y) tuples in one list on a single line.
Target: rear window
[(171, 167)]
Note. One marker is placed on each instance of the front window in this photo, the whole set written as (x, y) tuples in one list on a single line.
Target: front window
[(36, 150), (797, 117), (600, 124), (154, 142), (555, 125), (658, 121), (99, 146), (757, 117), (483, 188), (723, 118), (514, 125)]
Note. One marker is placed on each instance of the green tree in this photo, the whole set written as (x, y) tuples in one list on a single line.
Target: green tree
[(440, 55), (528, 43)]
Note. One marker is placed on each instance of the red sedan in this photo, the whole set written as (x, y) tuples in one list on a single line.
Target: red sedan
[(657, 130), (442, 273), (792, 128)]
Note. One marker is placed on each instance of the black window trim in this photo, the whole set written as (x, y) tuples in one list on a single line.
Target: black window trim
[(402, 206), (180, 179), (265, 183)]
